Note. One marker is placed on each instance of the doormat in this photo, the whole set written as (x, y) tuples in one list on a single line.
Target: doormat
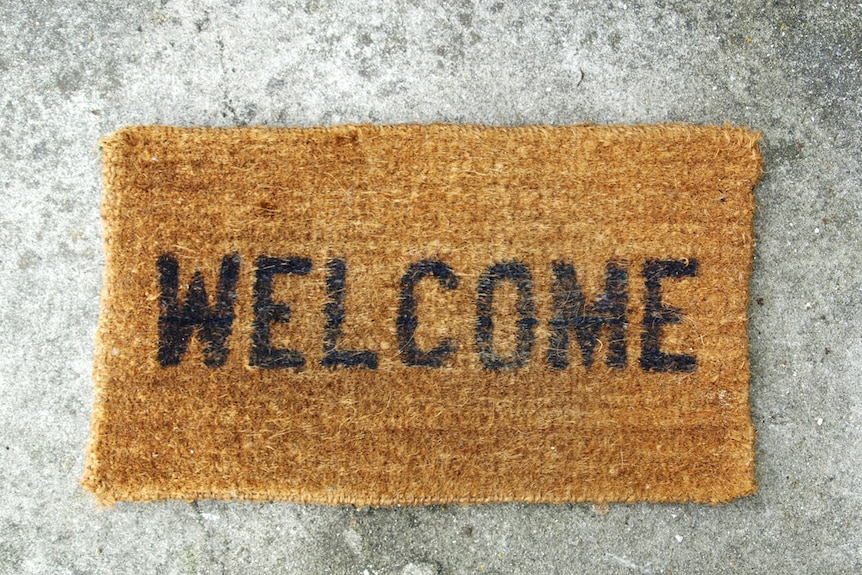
[(382, 315)]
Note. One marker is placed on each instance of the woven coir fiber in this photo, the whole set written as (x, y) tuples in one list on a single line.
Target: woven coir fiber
[(425, 314)]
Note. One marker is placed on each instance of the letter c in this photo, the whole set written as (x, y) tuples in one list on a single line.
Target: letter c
[(407, 321)]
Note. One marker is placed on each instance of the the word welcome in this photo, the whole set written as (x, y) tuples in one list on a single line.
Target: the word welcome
[(572, 315)]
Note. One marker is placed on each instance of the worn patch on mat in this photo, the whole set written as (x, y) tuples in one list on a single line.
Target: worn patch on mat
[(425, 314)]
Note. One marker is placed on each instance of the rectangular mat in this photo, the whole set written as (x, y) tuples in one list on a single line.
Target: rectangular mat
[(425, 314)]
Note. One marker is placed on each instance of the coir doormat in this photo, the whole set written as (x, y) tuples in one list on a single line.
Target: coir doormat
[(410, 314)]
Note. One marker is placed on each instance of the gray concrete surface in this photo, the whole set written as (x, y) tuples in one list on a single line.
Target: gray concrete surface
[(71, 72)]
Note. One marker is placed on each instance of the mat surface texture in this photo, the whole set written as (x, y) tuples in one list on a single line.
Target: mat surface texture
[(413, 314)]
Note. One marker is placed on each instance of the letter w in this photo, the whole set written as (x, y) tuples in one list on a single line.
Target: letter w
[(573, 314), (212, 325)]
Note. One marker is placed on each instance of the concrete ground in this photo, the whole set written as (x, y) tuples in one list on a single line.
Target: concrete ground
[(72, 72)]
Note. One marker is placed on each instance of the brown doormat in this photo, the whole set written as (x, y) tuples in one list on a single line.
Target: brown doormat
[(412, 314)]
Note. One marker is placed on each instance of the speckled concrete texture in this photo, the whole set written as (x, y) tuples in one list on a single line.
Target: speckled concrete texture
[(71, 73)]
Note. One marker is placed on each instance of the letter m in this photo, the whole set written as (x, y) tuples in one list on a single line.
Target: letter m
[(178, 322), (572, 313)]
